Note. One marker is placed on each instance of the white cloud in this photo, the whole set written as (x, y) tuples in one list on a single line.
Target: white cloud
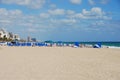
[(19, 2), (6, 12), (98, 23), (70, 12), (3, 11), (53, 6), (15, 12), (94, 13), (104, 1), (91, 2), (97, 11), (44, 15), (79, 15), (10, 18), (29, 3), (48, 20), (5, 21), (16, 17), (76, 1), (57, 12), (85, 12), (68, 21), (32, 30)]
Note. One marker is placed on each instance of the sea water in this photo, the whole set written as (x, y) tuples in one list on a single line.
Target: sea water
[(104, 44)]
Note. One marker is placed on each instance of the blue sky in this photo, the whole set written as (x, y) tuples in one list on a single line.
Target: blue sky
[(66, 20)]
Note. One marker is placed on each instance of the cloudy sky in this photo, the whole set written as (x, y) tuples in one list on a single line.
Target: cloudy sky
[(67, 20)]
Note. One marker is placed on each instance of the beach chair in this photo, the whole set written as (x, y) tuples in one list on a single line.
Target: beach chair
[(43, 44), (28, 44), (9, 44), (36, 44), (39, 44), (46, 44), (23, 44), (17, 44)]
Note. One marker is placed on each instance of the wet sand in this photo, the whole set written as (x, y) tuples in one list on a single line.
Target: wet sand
[(64, 63)]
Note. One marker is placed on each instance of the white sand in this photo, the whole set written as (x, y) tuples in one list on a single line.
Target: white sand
[(42, 63)]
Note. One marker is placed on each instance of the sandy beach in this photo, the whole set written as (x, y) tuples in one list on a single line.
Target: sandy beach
[(59, 63)]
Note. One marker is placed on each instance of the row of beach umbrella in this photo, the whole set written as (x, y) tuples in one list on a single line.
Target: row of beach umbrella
[(76, 44), (26, 44)]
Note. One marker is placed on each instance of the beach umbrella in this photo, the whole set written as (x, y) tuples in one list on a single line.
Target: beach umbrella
[(76, 44), (96, 46), (99, 44), (60, 43), (49, 41)]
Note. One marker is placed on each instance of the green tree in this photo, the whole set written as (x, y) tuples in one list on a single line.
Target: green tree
[(4, 38)]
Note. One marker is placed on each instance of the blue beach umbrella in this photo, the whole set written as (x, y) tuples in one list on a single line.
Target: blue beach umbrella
[(98, 45), (76, 44), (50, 42)]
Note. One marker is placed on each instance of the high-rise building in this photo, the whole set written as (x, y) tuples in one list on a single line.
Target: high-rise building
[(10, 35), (3, 33), (28, 39)]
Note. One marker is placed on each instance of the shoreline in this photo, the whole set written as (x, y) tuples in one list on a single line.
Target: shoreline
[(103, 47)]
